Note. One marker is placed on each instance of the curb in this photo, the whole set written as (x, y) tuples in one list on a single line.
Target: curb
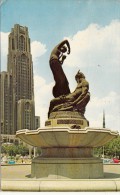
[(72, 185)]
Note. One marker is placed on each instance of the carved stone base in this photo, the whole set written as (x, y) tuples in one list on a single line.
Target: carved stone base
[(66, 162), (74, 120), (65, 152), (66, 114), (64, 168)]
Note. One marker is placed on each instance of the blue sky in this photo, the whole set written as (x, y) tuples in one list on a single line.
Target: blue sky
[(93, 29)]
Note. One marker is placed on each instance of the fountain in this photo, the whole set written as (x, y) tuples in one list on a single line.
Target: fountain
[(67, 141)]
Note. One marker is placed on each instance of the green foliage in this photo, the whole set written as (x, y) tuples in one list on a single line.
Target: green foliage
[(8, 149), (12, 149), (98, 151), (111, 149), (39, 151), (23, 150)]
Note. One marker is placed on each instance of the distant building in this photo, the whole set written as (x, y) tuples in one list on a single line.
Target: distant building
[(6, 138), (6, 101), (37, 122), (26, 119), (17, 107)]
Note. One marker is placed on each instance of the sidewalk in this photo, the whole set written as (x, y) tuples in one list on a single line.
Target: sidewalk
[(17, 178), (23, 171)]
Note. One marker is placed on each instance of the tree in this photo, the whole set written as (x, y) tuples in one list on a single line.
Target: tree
[(23, 150), (8, 149), (111, 149), (12, 149)]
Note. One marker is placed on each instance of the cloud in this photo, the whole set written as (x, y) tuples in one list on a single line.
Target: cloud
[(109, 103), (91, 46), (4, 49), (2, 2), (94, 109), (111, 99), (43, 95), (96, 45), (37, 49)]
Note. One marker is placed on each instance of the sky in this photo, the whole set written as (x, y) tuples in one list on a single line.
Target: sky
[(92, 28)]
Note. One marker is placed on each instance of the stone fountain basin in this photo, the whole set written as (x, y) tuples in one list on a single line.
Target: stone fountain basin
[(67, 137)]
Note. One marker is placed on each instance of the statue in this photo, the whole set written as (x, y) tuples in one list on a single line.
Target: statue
[(56, 60), (65, 100), (75, 101)]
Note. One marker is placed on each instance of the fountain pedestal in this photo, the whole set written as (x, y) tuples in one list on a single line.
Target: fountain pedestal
[(67, 119), (72, 163), (66, 152)]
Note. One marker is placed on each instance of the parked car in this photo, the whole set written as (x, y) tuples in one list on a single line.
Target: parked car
[(11, 162), (106, 160), (115, 160)]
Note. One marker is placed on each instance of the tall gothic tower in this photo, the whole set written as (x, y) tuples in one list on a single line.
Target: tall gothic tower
[(20, 66), (20, 63)]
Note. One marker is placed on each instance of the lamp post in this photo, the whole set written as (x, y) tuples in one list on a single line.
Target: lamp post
[(115, 152), (103, 152), (34, 152)]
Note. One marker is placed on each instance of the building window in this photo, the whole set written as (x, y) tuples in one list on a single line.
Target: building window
[(22, 43), (27, 115), (13, 47), (23, 58)]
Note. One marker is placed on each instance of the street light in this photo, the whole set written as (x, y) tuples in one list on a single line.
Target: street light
[(103, 152)]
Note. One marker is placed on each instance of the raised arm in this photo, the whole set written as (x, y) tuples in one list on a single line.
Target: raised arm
[(63, 43)]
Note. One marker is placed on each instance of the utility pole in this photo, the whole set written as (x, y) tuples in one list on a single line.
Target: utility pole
[(103, 127)]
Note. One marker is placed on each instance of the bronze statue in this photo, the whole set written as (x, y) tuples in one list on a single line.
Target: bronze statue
[(75, 101), (56, 60), (64, 100)]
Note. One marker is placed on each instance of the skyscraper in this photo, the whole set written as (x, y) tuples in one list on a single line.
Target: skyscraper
[(21, 86), (6, 103)]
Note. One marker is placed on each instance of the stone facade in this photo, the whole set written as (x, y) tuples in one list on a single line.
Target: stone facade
[(67, 153), (6, 100), (17, 84)]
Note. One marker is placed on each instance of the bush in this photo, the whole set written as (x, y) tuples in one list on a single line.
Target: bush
[(12, 149)]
